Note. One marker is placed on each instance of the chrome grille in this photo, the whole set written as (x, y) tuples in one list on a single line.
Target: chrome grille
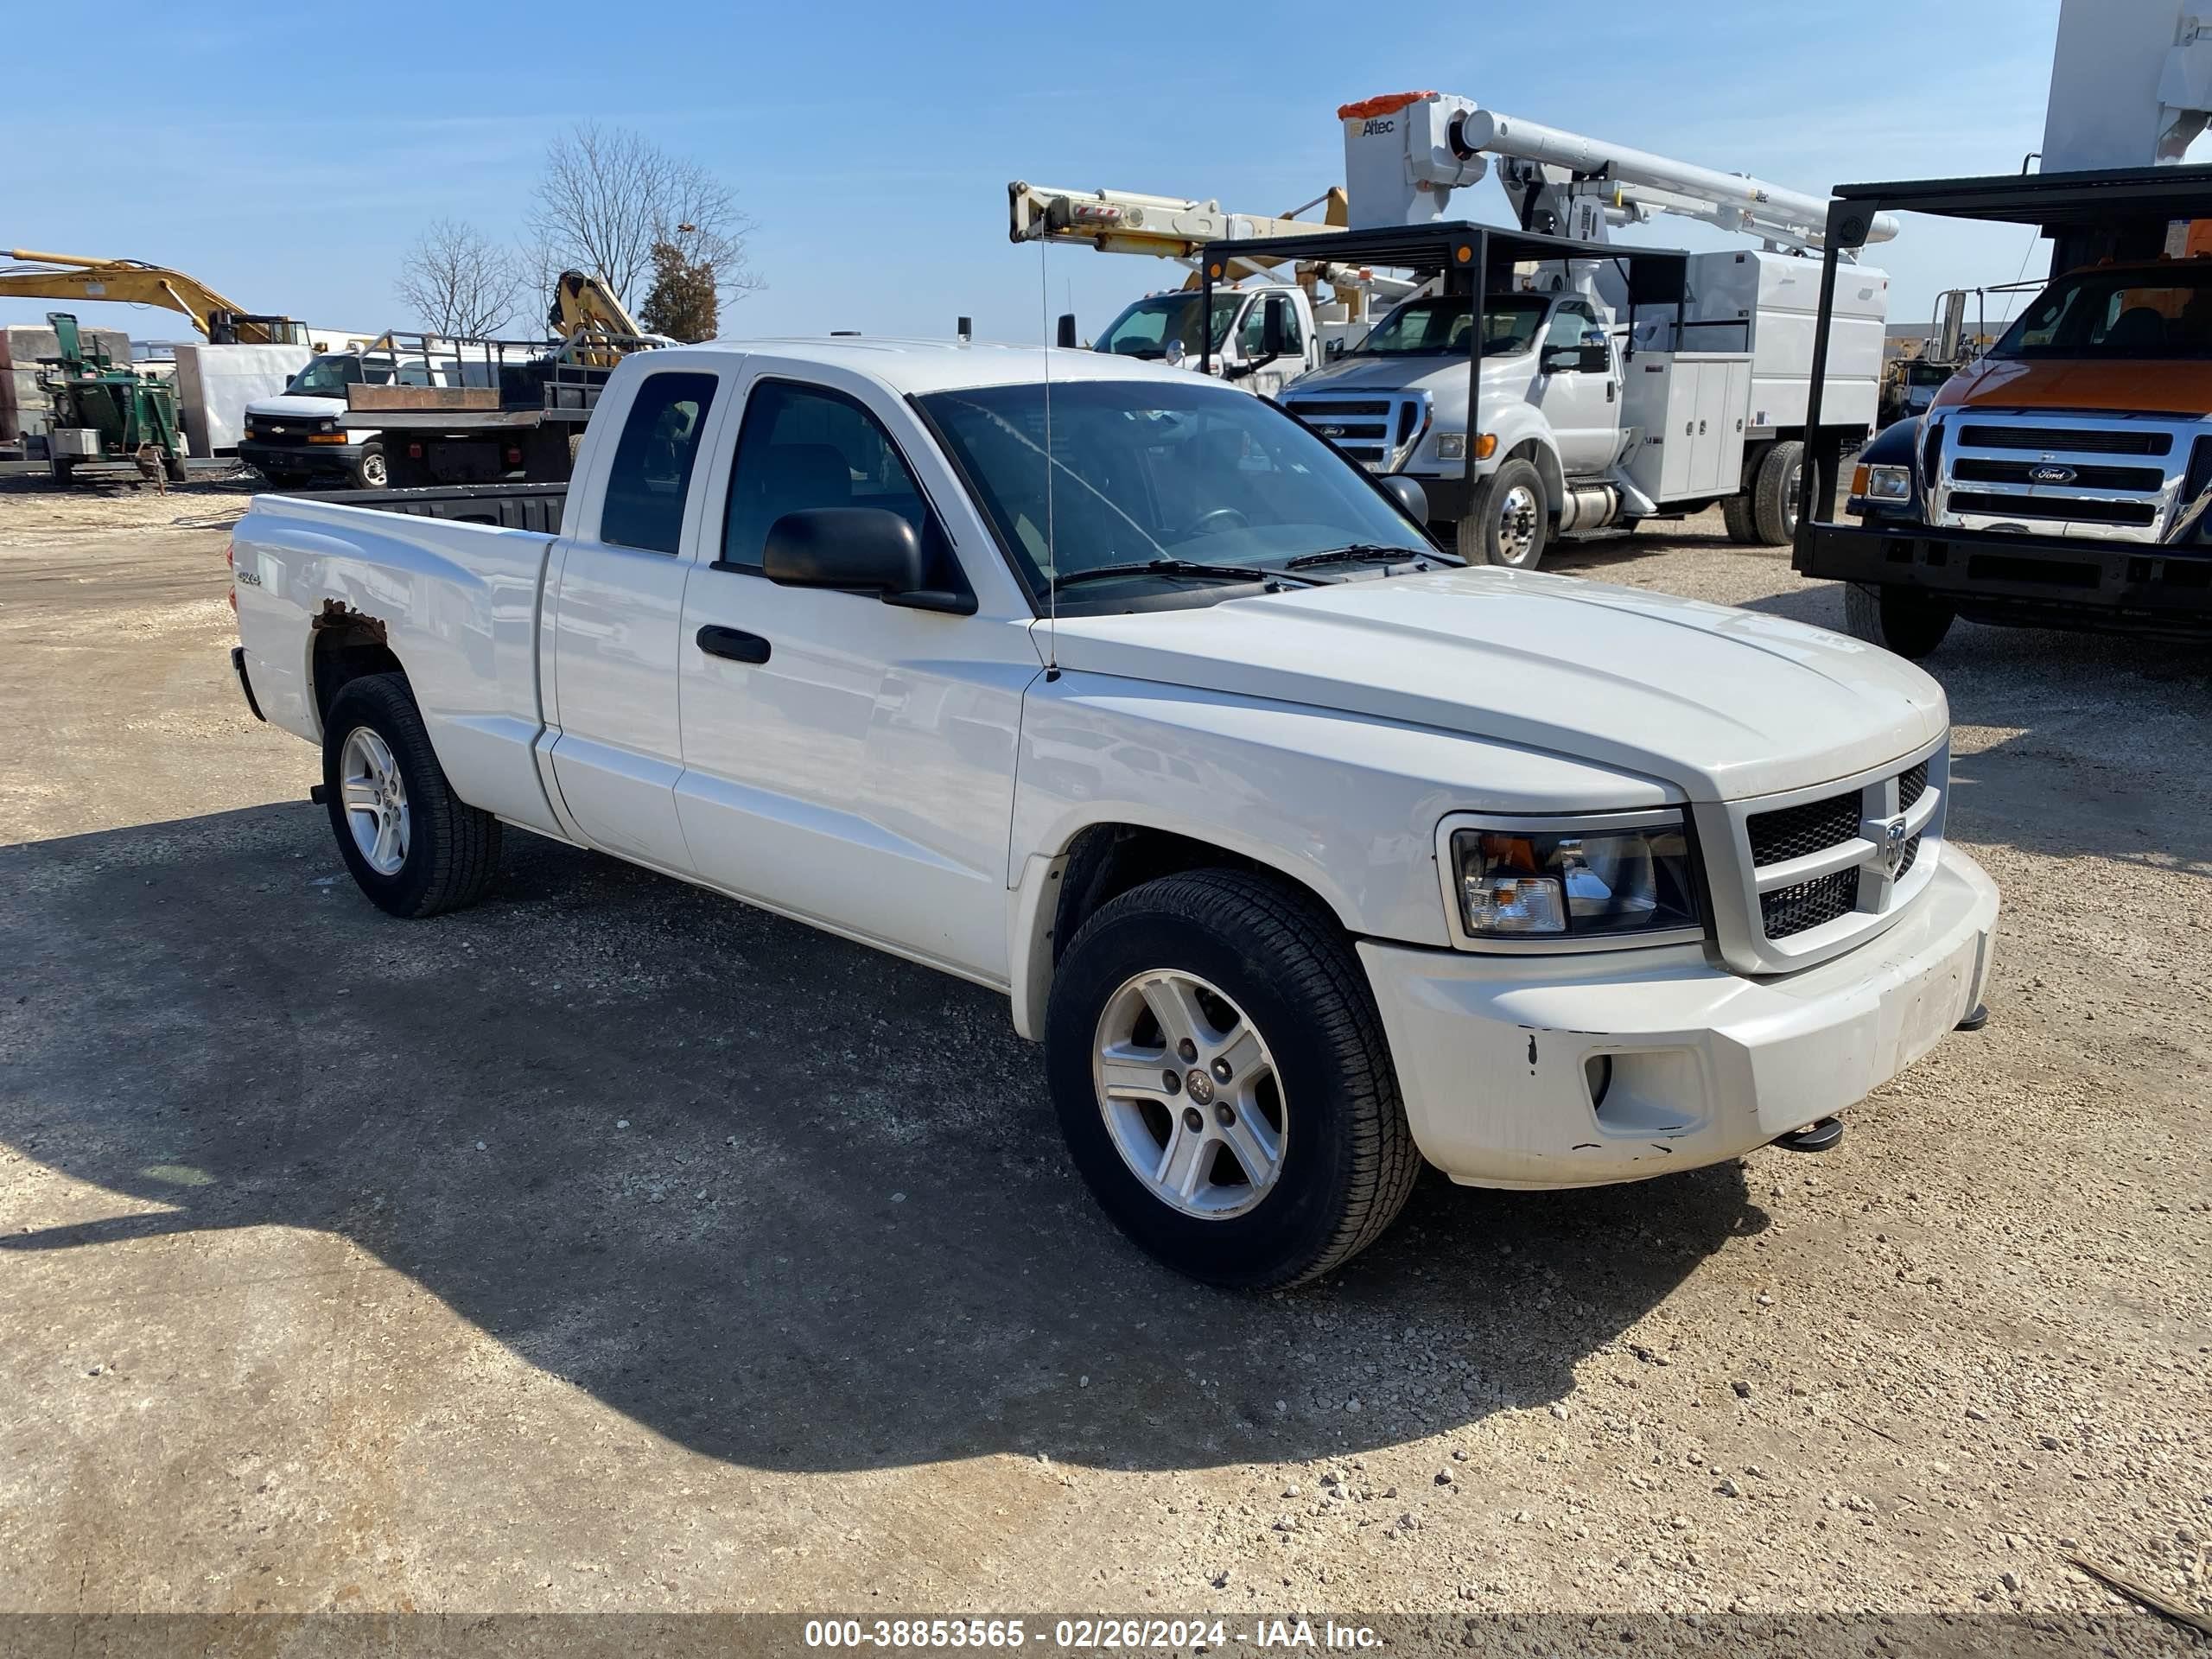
[(2053, 475), (1379, 431), (1798, 877), (2081, 439)]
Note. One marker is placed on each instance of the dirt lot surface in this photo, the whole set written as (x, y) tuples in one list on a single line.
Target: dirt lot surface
[(614, 1247)]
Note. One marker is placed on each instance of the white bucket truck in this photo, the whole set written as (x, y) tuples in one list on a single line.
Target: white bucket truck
[(1603, 400)]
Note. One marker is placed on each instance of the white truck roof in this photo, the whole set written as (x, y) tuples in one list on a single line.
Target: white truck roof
[(926, 365)]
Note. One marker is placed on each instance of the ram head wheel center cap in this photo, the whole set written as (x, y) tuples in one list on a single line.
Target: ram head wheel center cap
[(1199, 1086)]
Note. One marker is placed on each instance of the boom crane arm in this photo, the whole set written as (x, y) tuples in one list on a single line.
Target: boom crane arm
[(1174, 228), (73, 277), (1405, 154)]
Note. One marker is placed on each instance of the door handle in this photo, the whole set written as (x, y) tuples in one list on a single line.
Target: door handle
[(732, 642)]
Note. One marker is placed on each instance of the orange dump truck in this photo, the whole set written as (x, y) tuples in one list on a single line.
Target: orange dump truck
[(2062, 480)]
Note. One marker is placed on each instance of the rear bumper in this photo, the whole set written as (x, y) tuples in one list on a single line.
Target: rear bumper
[(2047, 580), (245, 682), (1495, 1066), (338, 459)]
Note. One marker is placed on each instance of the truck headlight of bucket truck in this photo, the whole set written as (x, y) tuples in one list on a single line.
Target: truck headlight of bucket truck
[(1622, 878), (1452, 446)]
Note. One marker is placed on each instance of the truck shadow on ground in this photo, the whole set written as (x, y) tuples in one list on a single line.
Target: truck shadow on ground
[(787, 1201)]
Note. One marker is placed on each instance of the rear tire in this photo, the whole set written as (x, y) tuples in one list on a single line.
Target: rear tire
[(175, 469), (1901, 620), (434, 852), (1743, 527), (1774, 492), (1279, 998), (1509, 519)]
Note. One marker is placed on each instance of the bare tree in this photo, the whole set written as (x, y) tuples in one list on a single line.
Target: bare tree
[(458, 281), (609, 195)]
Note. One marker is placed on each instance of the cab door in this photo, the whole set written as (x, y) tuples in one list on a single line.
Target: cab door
[(1580, 406), (1268, 379), (614, 605), (847, 761)]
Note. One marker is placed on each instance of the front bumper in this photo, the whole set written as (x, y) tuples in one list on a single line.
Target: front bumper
[(2044, 580), (278, 459), (1449, 499), (1494, 1053)]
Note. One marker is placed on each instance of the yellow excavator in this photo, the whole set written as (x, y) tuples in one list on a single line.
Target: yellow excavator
[(34, 276)]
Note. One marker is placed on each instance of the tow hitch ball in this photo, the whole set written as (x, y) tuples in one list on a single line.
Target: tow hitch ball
[(1814, 1137), (1821, 1137)]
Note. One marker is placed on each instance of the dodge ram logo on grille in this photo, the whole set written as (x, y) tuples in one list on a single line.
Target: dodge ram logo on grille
[(2051, 475), (1893, 846)]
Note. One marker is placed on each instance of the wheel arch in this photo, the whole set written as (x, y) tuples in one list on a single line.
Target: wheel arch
[(344, 645), (1097, 862)]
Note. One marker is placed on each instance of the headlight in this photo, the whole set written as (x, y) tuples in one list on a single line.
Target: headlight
[(1452, 446), (1881, 483), (1563, 882)]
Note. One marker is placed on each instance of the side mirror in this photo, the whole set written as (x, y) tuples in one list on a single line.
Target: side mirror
[(1273, 325), (1408, 495), (868, 549)]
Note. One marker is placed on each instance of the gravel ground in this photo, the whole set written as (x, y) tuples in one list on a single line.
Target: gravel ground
[(610, 1246)]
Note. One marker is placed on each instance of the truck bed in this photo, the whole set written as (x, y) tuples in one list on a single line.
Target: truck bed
[(507, 507)]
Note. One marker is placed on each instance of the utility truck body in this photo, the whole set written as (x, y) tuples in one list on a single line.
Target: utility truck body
[(1309, 852)]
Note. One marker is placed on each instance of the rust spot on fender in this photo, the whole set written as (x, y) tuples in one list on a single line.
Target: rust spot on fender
[(337, 614)]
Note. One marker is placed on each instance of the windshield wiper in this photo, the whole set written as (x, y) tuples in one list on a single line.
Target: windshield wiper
[(1357, 552), (1185, 568)]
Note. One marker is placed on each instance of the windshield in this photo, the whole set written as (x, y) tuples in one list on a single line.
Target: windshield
[(327, 376), (2118, 314), (1927, 374), (1437, 327), (1145, 470), (1145, 328)]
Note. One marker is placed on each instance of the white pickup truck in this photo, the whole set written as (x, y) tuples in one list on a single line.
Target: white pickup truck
[(1309, 853)]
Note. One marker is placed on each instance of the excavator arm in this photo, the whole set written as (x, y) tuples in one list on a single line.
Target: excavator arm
[(581, 302), (35, 276)]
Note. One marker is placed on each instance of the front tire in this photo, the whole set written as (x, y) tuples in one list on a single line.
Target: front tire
[(413, 847), (1903, 619), (1223, 1082), (1508, 521), (370, 471)]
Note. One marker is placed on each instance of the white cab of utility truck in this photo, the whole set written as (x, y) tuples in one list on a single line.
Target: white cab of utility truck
[(1168, 328), (1309, 852)]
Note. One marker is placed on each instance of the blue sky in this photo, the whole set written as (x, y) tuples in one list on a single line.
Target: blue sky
[(288, 155)]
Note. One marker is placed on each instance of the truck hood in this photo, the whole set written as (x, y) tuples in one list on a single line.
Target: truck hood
[(298, 409), (1722, 704), (1406, 373), (2168, 387)]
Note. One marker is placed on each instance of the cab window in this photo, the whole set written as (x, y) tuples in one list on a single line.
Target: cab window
[(1573, 325), (800, 449), (1255, 324), (652, 471)]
